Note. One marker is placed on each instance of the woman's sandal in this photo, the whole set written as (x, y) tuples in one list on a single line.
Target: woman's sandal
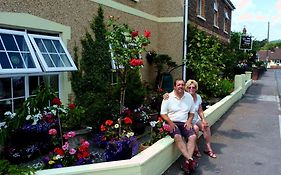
[(197, 154), (210, 154)]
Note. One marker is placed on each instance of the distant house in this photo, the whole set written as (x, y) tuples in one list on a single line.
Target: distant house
[(37, 37), (272, 57)]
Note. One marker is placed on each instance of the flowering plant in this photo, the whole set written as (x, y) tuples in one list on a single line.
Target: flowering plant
[(159, 130), (6, 125), (126, 47), (119, 138), (156, 98), (63, 156), (111, 129)]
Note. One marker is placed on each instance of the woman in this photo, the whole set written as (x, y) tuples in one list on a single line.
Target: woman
[(199, 121)]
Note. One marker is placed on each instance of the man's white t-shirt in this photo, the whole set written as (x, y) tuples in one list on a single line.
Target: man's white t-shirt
[(178, 109)]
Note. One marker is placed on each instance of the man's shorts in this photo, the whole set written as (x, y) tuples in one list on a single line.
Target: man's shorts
[(181, 130)]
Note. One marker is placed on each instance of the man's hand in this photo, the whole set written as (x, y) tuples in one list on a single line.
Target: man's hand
[(188, 125), (173, 126)]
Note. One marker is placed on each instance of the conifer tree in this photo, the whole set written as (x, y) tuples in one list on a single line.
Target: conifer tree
[(92, 82)]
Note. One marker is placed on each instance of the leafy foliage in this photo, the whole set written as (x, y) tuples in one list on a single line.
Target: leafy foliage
[(91, 84), (7, 168), (205, 60)]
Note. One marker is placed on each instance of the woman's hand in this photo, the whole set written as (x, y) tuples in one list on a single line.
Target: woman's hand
[(166, 96), (205, 124)]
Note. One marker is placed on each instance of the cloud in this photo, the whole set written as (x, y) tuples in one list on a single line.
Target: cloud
[(243, 4)]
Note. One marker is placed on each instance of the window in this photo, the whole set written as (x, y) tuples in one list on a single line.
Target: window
[(15, 90), (16, 53), (200, 8), (226, 22), (28, 61), (18, 56), (52, 53), (216, 14)]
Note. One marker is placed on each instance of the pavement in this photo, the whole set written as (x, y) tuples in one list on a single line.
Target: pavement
[(247, 138)]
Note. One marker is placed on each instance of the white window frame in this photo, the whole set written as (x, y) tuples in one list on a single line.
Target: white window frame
[(200, 8), (37, 68), (216, 13), (226, 21), (45, 67)]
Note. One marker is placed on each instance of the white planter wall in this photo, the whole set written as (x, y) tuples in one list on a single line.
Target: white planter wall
[(157, 158)]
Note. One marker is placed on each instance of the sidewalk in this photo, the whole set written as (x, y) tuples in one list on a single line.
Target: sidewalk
[(247, 138)]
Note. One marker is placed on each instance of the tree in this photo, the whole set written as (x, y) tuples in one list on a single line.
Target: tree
[(92, 83)]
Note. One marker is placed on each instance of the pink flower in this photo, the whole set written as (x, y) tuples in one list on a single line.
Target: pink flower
[(69, 135), (85, 144), (167, 127), (65, 146), (72, 151), (53, 132)]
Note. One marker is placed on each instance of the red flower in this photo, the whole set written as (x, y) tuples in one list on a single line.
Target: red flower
[(108, 122), (102, 128), (128, 120), (136, 62), (160, 90), (59, 151), (56, 101), (134, 33), (147, 33), (71, 106)]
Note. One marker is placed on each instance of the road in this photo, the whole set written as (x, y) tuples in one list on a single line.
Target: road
[(247, 138)]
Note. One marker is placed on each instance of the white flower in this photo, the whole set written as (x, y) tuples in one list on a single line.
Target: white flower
[(153, 123), (59, 157), (116, 126), (28, 117), (130, 134), (3, 124), (54, 111), (8, 113)]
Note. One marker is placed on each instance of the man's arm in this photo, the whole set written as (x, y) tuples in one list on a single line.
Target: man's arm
[(169, 121)]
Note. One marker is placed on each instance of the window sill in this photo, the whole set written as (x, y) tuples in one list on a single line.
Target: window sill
[(215, 26), (201, 17)]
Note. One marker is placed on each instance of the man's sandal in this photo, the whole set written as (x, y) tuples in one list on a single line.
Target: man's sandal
[(197, 154), (210, 154)]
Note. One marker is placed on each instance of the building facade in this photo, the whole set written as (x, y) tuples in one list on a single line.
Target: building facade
[(65, 22)]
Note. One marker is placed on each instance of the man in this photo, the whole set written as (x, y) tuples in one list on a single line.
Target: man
[(178, 112)]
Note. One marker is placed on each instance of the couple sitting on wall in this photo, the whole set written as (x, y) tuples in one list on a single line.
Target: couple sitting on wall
[(183, 112)]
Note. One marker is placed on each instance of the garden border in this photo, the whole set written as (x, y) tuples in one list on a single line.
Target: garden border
[(160, 156)]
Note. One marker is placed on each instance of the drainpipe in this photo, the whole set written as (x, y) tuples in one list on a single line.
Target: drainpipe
[(185, 22)]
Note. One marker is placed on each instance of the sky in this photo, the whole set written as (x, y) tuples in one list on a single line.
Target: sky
[(255, 15)]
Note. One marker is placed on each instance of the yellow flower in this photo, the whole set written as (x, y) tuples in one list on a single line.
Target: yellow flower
[(51, 162)]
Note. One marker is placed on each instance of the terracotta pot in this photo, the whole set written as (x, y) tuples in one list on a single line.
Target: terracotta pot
[(142, 147)]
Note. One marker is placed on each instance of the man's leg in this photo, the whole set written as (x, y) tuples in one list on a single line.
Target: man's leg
[(182, 146), (191, 144)]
